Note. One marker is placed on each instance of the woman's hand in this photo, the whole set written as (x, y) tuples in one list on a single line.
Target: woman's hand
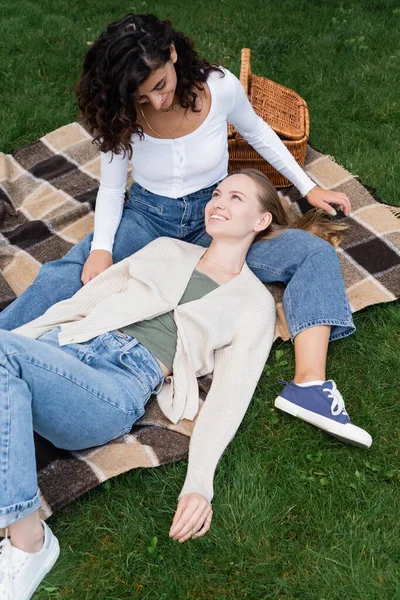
[(192, 517), (321, 198), (98, 261)]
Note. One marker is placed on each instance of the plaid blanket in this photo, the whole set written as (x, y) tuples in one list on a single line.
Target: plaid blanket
[(47, 197)]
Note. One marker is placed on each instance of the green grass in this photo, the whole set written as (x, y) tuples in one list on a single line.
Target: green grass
[(297, 515)]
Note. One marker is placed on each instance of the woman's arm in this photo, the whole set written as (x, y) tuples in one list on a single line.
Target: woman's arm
[(110, 199), (111, 281), (237, 369), (109, 207), (268, 144)]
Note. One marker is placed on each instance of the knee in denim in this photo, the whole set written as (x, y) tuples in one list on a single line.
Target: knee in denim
[(307, 245)]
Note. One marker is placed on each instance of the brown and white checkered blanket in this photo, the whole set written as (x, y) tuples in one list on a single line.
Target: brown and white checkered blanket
[(47, 197)]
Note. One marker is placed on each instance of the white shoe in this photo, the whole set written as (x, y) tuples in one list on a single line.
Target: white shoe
[(21, 572)]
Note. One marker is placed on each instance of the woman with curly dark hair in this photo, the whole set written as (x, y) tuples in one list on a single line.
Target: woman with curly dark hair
[(148, 99)]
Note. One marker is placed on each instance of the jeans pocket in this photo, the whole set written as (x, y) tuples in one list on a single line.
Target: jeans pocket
[(146, 204), (142, 199)]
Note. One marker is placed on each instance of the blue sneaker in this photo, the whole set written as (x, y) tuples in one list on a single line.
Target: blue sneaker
[(323, 406)]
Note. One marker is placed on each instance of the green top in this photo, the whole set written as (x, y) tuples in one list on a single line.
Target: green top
[(159, 334)]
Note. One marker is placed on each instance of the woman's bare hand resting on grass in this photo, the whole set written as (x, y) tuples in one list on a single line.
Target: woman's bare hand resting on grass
[(192, 517), (98, 261)]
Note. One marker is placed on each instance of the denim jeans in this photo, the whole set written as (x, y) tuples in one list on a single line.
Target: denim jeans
[(77, 396), (309, 266)]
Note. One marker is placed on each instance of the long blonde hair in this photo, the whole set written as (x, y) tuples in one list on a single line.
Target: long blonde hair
[(316, 221)]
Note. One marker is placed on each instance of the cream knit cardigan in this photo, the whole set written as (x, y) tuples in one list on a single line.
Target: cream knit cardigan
[(229, 332)]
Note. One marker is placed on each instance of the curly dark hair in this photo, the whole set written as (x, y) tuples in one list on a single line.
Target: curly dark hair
[(119, 61)]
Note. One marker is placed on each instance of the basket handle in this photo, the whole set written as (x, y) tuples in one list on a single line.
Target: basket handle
[(245, 70)]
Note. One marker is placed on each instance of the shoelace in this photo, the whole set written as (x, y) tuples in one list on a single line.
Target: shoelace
[(337, 406), (9, 566)]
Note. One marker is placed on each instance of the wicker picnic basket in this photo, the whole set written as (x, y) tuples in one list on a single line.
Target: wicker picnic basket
[(283, 109)]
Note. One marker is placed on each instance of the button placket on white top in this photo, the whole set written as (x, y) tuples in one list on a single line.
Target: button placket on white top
[(179, 152)]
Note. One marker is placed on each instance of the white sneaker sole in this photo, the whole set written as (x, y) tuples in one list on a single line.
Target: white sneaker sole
[(41, 574), (349, 433)]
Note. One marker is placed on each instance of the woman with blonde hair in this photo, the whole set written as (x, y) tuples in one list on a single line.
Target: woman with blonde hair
[(80, 375)]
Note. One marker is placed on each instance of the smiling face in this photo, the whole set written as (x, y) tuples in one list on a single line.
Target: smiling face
[(159, 88), (234, 210)]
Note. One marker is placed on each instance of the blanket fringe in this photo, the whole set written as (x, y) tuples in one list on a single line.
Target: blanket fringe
[(333, 159), (395, 210)]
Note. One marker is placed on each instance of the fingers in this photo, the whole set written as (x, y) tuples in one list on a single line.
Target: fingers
[(98, 261), (192, 514), (195, 528), (205, 528), (341, 200), (328, 208), (320, 198), (177, 516), (345, 203), (191, 528), (87, 276), (189, 523)]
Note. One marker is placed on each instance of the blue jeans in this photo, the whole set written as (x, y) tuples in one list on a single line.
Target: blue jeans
[(309, 266), (77, 396)]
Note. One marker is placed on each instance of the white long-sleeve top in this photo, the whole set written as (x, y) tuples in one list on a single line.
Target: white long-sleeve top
[(229, 332), (177, 167)]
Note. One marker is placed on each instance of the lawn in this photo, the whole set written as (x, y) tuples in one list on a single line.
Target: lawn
[(297, 515)]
